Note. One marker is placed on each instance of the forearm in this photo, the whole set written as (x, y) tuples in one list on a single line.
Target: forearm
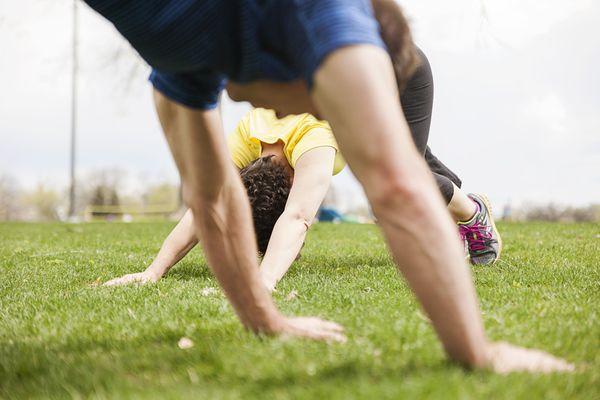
[(231, 252), (285, 244), (221, 212), (179, 242)]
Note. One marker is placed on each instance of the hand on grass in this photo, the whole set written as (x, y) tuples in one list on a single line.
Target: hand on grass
[(139, 278), (313, 328), (505, 358)]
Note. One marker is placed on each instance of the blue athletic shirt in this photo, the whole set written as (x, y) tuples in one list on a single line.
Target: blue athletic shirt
[(193, 46)]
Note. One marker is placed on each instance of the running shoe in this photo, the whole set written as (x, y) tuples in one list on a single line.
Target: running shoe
[(480, 233)]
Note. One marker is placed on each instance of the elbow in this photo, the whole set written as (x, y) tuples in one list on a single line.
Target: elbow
[(298, 217), (398, 191)]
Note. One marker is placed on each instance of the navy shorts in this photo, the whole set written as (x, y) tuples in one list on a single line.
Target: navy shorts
[(195, 46)]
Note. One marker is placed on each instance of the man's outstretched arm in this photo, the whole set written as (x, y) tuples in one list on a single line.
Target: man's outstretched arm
[(214, 192), (356, 91)]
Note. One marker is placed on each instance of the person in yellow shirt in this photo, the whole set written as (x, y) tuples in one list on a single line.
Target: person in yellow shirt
[(286, 166)]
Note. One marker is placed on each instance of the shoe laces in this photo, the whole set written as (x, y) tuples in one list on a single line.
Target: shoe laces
[(477, 235)]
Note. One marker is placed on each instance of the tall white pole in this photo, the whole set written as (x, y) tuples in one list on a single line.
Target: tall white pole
[(74, 67)]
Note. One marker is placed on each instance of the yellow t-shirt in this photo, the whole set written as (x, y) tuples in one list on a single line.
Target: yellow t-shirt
[(299, 133)]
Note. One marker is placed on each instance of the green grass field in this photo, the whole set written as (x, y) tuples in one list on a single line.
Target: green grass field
[(60, 336)]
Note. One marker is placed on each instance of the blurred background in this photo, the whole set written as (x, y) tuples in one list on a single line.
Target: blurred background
[(516, 111)]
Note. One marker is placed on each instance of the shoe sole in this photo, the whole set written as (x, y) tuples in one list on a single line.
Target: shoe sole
[(488, 205)]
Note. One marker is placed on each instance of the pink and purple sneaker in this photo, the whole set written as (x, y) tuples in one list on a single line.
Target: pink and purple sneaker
[(480, 234)]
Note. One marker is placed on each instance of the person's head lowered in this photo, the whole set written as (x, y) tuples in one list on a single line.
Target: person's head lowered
[(268, 185)]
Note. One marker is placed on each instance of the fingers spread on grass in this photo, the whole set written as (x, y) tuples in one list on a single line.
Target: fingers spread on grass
[(118, 281), (332, 326), (506, 358), (315, 328), (113, 282), (139, 278)]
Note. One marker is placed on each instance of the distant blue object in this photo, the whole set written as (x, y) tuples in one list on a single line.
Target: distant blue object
[(328, 214)]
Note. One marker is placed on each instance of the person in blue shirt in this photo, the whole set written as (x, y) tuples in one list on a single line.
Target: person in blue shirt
[(343, 60)]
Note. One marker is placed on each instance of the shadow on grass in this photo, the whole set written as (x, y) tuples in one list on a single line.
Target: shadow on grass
[(348, 371), (189, 270), (198, 269), (151, 364), (83, 365)]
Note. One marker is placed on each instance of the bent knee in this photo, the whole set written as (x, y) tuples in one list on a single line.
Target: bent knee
[(393, 187), (395, 191)]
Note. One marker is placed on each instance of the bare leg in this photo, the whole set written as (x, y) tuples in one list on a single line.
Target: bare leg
[(361, 104), (461, 207), (214, 193)]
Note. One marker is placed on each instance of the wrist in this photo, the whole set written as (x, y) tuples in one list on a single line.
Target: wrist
[(482, 358), (268, 280), (474, 355), (490, 354), (155, 272), (271, 324)]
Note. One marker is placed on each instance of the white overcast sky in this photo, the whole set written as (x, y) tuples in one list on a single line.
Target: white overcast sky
[(516, 114)]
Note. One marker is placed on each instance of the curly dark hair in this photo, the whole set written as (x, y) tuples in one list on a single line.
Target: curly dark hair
[(268, 185)]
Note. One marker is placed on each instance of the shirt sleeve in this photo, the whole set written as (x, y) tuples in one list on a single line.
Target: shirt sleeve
[(241, 149), (199, 90), (317, 134)]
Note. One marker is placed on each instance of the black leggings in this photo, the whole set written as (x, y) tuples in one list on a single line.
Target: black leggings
[(417, 104)]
